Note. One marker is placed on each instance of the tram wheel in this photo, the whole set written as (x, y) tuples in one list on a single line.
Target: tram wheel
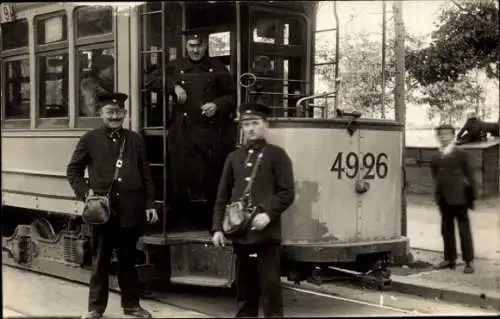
[(44, 228)]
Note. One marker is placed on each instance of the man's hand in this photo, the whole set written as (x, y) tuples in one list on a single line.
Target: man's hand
[(209, 109), (151, 215), (181, 94), (89, 193), (218, 239), (260, 221)]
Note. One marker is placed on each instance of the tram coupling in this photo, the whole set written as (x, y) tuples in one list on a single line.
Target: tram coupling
[(378, 276)]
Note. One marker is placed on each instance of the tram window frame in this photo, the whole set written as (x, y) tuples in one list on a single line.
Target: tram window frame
[(44, 50), (285, 51), (10, 55), (16, 50), (14, 122), (92, 42)]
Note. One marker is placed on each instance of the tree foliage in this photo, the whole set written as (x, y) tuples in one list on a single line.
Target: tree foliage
[(360, 71), (451, 100), (466, 39)]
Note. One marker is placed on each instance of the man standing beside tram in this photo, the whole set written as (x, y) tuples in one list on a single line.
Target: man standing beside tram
[(259, 179), (121, 187), (202, 131)]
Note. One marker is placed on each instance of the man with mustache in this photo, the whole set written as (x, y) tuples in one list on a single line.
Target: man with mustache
[(202, 130), (131, 199)]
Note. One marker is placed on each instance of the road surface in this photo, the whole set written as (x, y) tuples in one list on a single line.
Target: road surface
[(29, 294)]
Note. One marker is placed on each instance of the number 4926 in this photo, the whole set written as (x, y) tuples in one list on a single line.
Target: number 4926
[(351, 165)]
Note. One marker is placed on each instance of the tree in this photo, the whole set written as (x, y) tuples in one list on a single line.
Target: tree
[(360, 65), (466, 39), (450, 100)]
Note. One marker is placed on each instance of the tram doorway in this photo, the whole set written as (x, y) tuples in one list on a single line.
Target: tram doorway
[(268, 41)]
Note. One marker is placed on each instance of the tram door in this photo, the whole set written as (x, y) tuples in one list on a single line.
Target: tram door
[(278, 53), (192, 259)]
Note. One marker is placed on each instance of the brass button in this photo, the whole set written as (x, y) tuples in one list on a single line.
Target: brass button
[(119, 179)]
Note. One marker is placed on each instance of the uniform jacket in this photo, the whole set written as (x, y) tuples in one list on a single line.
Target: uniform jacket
[(272, 191), (205, 81), (451, 174), (198, 145), (133, 191)]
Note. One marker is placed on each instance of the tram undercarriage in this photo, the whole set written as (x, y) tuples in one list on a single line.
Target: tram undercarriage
[(59, 245)]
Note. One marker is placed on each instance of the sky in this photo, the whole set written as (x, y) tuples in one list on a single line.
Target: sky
[(355, 16)]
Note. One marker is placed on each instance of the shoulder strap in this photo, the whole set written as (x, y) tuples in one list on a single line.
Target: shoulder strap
[(118, 165)]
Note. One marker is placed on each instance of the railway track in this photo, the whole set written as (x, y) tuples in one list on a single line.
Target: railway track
[(299, 301), (305, 300)]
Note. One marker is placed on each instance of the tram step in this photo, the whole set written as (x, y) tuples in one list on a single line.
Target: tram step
[(201, 264), (201, 281)]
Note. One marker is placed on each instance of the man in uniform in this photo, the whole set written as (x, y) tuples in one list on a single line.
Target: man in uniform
[(258, 247), (455, 191), (202, 132), (131, 201)]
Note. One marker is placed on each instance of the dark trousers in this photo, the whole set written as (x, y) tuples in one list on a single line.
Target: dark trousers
[(124, 240), (450, 213), (258, 278)]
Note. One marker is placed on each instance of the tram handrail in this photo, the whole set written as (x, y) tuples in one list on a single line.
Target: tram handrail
[(316, 96)]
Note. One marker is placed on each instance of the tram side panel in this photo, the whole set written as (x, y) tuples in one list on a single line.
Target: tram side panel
[(34, 173), (348, 200), (381, 159)]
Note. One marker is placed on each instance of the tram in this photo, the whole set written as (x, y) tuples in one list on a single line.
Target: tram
[(348, 168)]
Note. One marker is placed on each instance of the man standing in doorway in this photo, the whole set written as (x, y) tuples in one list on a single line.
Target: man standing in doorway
[(455, 192), (258, 247), (202, 132), (131, 200)]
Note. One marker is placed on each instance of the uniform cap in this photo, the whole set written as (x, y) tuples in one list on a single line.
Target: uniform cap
[(113, 98), (196, 34), (252, 109)]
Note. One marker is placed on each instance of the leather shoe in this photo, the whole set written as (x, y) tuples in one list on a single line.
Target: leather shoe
[(92, 315), (468, 269), (445, 264), (137, 312)]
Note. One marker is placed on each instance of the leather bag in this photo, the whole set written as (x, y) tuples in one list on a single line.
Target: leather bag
[(238, 214), (97, 210)]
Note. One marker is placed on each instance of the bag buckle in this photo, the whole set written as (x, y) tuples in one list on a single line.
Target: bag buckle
[(119, 163)]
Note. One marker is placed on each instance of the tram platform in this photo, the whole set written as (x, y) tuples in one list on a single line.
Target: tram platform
[(481, 288), (27, 294)]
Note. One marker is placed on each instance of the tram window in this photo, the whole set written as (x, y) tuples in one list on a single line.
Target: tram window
[(53, 85), (52, 29), (219, 44), (93, 21), (273, 28), (96, 73), (15, 34), (16, 89), (152, 28)]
